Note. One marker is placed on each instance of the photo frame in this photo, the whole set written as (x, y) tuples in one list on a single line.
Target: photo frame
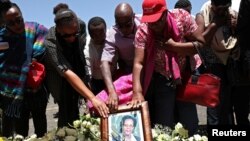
[(117, 124)]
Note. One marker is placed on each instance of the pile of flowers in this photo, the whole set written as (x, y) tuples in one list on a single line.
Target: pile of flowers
[(87, 128), (161, 133)]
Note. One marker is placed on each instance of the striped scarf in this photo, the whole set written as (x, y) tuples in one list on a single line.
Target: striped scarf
[(14, 61)]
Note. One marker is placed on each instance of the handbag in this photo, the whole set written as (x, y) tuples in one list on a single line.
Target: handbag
[(35, 75), (199, 87), (202, 89)]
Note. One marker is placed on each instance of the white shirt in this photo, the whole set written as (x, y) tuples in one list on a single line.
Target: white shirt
[(93, 53)]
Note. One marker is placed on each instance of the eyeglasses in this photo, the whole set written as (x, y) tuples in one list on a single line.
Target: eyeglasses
[(18, 20), (70, 35), (124, 25)]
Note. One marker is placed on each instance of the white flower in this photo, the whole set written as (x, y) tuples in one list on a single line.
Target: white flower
[(191, 139), (176, 138), (178, 126), (98, 121), (88, 116), (180, 131), (84, 123), (154, 133), (197, 137), (31, 138), (204, 138), (183, 132), (162, 137), (77, 123), (88, 124), (18, 137)]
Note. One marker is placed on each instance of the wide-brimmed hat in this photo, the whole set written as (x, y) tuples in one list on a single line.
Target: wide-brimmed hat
[(152, 10)]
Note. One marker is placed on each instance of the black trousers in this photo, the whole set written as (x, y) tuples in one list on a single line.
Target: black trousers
[(34, 105), (240, 103), (221, 114), (68, 105)]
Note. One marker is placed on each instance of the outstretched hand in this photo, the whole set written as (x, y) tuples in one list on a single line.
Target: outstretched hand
[(100, 106), (113, 102), (136, 101)]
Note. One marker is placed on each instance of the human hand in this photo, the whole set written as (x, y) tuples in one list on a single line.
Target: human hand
[(100, 106), (166, 44), (113, 101), (136, 101)]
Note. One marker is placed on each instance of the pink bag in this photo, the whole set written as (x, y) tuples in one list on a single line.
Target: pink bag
[(124, 89)]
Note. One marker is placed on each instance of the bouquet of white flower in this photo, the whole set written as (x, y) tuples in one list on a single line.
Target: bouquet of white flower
[(161, 133), (88, 128)]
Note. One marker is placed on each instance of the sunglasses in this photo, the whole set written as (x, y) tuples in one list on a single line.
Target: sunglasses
[(124, 25), (70, 35), (18, 21)]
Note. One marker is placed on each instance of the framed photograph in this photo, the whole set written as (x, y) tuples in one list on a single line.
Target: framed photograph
[(127, 123)]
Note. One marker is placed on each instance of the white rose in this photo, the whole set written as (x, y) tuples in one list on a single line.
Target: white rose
[(77, 123), (197, 137), (204, 138)]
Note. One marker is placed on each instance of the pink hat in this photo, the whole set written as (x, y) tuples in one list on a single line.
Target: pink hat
[(152, 10)]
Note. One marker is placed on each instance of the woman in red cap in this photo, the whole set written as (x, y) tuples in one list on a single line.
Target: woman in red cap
[(160, 50)]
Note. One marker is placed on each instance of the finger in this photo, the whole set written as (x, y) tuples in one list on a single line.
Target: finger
[(116, 106), (102, 113), (106, 111)]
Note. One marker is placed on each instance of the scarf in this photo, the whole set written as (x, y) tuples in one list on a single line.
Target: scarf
[(170, 57), (14, 64)]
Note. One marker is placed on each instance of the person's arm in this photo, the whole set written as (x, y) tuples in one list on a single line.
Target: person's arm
[(107, 76), (137, 74), (192, 33), (63, 67), (200, 22), (108, 55), (209, 30), (81, 88), (138, 71), (38, 45)]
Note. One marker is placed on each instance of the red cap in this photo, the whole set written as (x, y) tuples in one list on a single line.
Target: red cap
[(152, 10)]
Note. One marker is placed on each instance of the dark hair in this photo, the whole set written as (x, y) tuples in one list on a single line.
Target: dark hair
[(64, 16), (125, 118), (222, 2), (6, 5), (95, 21), (60, 6), (182, 4)]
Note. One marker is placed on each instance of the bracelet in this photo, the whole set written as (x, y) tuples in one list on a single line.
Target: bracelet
[(197, 46)]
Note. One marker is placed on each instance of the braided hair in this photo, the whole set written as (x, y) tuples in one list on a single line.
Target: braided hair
[(60, 6)]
